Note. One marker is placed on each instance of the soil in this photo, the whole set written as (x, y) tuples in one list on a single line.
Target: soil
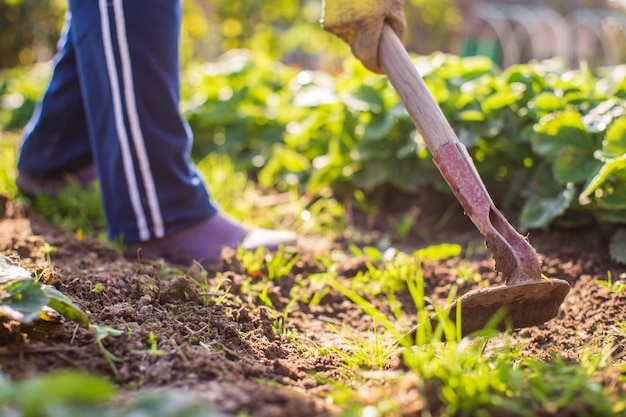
[(221, 342)]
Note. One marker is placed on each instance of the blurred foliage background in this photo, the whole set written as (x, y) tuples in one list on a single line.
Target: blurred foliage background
[(288, 29)]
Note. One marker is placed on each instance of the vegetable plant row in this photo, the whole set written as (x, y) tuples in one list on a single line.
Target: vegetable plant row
[(549, 142)]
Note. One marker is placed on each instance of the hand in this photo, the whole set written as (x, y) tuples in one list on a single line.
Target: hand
[(360, 23)]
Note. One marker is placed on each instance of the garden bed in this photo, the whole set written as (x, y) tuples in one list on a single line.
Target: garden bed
[(272, 352)]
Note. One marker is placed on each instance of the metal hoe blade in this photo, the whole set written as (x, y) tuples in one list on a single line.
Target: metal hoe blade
[(524, 305)]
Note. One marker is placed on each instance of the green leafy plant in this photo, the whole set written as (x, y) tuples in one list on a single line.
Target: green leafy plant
[(77, 393), (23, 299), (547, 140)]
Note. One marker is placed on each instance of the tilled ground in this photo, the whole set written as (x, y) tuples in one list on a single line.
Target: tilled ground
[(243, 356)]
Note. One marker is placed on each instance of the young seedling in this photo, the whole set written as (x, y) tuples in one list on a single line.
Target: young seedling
[(279, 264), (101, 333), (614, 287), (203, 284), (370, 351), (153, 349), (280, 324), (97, 288), (404, 226)]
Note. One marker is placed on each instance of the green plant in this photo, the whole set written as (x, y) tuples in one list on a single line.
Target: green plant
[(404, 225), (8, 162), (23, 298), (217, 294), (153, 346), (279, 264), (465, 380), (370, 351), (97, 287), (75, 208), (545, 139), (280, 324), (77, 393), (101, 333), (615, 287)]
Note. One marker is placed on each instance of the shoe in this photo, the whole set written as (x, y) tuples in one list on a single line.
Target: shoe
[(31, 185), (204, 243)]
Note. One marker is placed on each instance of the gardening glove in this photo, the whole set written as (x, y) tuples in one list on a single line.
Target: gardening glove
[(360, 23)]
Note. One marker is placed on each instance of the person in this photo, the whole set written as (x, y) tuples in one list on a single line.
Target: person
[(111, 112)]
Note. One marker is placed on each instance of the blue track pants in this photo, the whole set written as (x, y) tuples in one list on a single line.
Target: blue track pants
[(113, 100)]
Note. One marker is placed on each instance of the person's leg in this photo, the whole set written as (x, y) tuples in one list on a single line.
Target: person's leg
[(128, 64), (127, 58), (56, 140)]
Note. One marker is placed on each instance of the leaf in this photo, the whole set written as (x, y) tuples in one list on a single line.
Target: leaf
[(557, 131), (539, 211), (471, 116), (9, 271), (616, 200), (615, 141), (500, 100), (438, 252), (602, 175), (574, 165), (102, 332), (379, 127), (617, 247), (25, 302), (64, 305), (22, 299), (62, 388), (546, 102)]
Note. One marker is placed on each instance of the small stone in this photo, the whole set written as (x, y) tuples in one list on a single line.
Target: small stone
[(145, 300)]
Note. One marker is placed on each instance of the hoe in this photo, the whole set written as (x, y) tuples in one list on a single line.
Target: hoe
[(527, 298)]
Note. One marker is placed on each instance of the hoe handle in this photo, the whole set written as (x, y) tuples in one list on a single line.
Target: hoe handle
[(417, 99), (515, 258)]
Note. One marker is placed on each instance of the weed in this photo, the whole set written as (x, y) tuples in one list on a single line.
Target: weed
[(97, 288), (218, 295), (318, 286), (279, 264), (252, 261), (153, 348), (404, 226), (101, 333), (465, 273), (325, 216), (370, 352), (275, 265), (614, 287), (203, 284), (47, 250), (75, 208), (264, 297), (280, 324)]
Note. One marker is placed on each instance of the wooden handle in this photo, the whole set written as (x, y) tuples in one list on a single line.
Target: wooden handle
[(419, 102)]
